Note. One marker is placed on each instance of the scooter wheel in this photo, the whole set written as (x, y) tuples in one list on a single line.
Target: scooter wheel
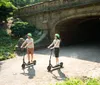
[(23, 66), (34, 62), (49, 68)]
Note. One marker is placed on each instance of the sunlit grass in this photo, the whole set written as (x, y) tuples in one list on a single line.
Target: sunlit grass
[(80, 81)]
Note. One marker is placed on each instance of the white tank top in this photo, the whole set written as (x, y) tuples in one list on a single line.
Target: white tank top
[(56, 43), (29, 41)]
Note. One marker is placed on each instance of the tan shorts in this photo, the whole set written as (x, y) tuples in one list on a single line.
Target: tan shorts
[(30, 50)]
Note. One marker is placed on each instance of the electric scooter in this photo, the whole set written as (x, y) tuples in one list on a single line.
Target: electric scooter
[(51, 68), (26, 65)]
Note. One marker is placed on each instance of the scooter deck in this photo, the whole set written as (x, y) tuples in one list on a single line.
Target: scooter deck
[(29, 64), (51, 68), (33, 63), (26, 65), (56, 68), (58, 65)]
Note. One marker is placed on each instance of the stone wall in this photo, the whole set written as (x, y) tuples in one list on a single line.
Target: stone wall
[(48, 14)]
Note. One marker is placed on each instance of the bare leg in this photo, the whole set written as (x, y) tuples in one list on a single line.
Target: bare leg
[(32, 54), (32, 57), (57, 60), (28, 57)]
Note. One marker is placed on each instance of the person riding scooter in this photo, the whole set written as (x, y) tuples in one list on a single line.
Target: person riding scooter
[(56, 46), (29, 44)]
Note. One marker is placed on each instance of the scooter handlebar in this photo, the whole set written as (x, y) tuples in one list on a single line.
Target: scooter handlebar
[(22, 49), (51, 49)]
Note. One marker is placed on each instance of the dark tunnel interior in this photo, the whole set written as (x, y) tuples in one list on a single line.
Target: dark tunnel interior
[(82, 30)]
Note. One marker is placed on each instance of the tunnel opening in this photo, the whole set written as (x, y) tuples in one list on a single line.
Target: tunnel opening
[(81, 30)]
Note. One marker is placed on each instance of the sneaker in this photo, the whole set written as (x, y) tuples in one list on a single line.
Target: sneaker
[(58, 63), (34, 62), (28, 62), (31, 61)]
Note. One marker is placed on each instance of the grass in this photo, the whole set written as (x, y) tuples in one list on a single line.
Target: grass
[(80, 81)]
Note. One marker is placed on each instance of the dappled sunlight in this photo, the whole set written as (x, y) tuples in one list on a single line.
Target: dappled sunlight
[(88, 52), (1, 62), (73, 67), (78, 60)]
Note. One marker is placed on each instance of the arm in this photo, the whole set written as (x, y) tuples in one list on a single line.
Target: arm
[(56, 44), (51, 44), (23, 44), (30, 43)]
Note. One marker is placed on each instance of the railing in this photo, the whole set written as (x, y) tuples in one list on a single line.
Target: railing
[(52, 5)]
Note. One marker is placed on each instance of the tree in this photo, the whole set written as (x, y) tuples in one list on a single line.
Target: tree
[(21, 3), (6, 9)]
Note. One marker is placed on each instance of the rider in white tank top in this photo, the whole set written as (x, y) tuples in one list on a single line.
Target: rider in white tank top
[(30, 42)]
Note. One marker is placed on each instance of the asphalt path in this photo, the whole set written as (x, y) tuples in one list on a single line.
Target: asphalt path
[(79, 60)]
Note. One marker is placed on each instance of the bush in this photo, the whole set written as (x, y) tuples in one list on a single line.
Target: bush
[(78, 81), (5, 39), (6, 53), (20, 29), (6, 46), (92, 81), (71, 81), (3, 33)]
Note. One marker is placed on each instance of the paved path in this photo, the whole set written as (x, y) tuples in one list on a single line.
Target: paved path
[(78, 61)]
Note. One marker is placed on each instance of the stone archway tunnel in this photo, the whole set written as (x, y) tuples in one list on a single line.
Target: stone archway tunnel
[(76, 21), (79, 30)]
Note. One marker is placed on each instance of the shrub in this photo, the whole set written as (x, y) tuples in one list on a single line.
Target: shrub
[(20, 29), (92, 81), (4, 38), (3, 33), (78, 81), (5, 53), (72, 81), (6, 46)]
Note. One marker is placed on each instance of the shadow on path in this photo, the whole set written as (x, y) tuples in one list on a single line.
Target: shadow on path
[(1, 64), (30, 73), (88, 52), (61, 76), (20, 53)]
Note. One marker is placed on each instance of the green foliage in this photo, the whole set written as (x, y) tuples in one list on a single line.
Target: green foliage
[(21, 3), (78, 81), (4, 38), (6, 46), (6, 9), (7, 43), (6, 52), (20, 29), (3, 33), (72, 81), (92, 81)]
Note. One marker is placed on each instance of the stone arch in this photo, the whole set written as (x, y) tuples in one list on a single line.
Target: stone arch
[(75, 17), (82, 16), (88, 11)]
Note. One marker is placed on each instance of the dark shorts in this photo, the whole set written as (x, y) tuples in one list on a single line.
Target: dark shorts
[(56, 52)]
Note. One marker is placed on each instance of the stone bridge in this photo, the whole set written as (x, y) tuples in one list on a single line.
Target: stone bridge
[(74, 20)]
